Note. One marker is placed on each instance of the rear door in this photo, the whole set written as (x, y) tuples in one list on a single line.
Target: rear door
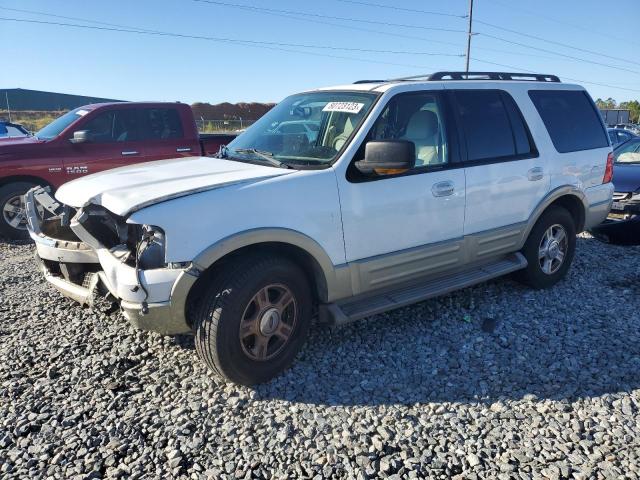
[(113, 140), (505, 176), (164, 135)]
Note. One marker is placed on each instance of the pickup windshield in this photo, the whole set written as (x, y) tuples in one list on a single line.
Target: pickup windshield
[(59, 124), (306, 129)]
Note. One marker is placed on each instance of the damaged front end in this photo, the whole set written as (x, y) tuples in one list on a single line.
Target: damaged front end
[(91, 254)]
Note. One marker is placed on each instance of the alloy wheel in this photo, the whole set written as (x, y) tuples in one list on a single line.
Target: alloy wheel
[(268, 322), (14, 213), (553, 249)]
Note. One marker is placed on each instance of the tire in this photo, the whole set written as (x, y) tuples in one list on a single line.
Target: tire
[(544, 271), (8, 213), (247, 289)]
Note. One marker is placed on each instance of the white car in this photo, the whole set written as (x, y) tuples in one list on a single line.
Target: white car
[(412, 188)]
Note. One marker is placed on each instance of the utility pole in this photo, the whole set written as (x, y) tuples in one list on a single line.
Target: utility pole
[(470, 33), (6, 96)]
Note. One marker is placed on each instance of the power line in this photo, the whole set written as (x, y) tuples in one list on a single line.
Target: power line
[(591, 31), (329, 17), (255, 43), (562, 76), (553, 42), (403, 9), (508, 52), (577, 59), (280, 45), (300, 16), (535, 37), (53, 15)]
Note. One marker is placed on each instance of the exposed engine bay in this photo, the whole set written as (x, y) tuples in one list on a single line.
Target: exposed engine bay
[(70, 243)]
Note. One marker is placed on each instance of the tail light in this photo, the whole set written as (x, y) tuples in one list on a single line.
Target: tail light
[(608, 171)]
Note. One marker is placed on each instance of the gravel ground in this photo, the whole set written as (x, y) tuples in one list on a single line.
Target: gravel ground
[(495, 381)]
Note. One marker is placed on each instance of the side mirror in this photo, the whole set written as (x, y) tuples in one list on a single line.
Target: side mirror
[(387, 157), (80, 136)]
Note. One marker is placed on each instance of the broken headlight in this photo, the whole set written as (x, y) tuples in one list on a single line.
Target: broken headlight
[(150, 250)]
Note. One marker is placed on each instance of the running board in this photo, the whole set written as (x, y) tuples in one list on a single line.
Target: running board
[(355, 309)]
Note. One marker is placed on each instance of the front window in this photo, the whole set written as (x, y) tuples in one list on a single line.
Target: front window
[(305, 129), (56, 127)]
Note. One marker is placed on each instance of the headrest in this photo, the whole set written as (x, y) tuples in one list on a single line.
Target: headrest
[(422, 124)]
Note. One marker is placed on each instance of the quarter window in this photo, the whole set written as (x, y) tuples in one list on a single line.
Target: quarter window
[(571, 118)]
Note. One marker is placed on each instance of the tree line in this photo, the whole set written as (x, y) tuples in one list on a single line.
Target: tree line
[(632, 105)]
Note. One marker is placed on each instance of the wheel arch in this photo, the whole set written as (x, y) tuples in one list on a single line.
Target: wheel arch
[(326, 280), (570, 198), (4, 181)]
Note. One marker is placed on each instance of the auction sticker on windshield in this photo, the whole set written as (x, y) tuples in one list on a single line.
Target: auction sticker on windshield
[(346, 107)]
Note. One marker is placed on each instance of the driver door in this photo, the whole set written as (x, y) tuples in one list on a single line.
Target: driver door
[(400, 227), (113, 141)]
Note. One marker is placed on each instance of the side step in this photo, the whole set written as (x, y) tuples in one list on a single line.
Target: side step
[(357, 308)]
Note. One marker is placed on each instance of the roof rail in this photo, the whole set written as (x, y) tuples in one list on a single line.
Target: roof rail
[(538, 77), (369, 81), (527, 77)]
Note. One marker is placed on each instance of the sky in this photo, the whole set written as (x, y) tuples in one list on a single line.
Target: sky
[(234, 64)]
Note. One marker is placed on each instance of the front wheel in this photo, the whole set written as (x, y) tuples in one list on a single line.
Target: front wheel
[(549, 249), (253, 319)]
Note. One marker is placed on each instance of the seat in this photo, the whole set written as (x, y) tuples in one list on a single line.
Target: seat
[(422, 130), (341, 139)]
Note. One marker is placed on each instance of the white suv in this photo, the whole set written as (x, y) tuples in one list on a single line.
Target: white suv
[(412, 188)]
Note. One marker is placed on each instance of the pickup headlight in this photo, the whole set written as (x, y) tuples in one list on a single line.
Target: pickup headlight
[(150, 250)]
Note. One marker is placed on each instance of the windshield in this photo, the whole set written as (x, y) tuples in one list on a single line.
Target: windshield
[(628, 152), (309, 128), (59, 124)]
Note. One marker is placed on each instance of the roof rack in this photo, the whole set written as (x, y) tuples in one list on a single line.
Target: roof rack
[(537, 77), (369, 81)]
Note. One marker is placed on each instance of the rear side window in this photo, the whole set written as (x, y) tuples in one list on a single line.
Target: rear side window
[(571, 119), (492, 124), (161, 124)]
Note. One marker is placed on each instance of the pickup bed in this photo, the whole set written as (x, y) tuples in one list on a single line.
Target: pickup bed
[(90, 139)]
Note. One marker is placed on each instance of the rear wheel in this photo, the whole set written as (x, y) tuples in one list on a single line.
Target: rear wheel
[(253, 319), (13, 218), (549, 250)]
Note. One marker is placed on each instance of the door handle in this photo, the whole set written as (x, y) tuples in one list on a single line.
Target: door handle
[(535, 173), (183, 149), (443, 189), (128, 153)]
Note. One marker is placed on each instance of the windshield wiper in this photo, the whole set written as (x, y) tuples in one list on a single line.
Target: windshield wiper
[(263, 154)]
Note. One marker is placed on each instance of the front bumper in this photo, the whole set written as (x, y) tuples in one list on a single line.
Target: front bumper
[(153, 300)]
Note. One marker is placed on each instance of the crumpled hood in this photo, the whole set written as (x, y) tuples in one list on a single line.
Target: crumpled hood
[(626, 178), (127, 189)]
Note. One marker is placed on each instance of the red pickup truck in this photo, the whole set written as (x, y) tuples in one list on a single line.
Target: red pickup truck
[(94, 138)]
